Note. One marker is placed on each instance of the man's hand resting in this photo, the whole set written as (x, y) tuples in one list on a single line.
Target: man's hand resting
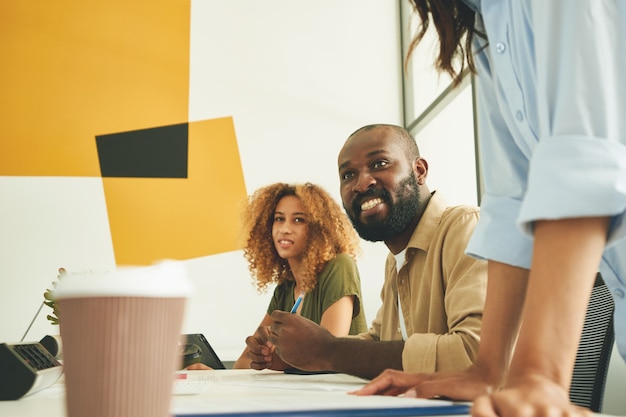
[(300, 342), (464, 386)]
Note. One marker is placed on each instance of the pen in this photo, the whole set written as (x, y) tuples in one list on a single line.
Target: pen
[(297, 303)]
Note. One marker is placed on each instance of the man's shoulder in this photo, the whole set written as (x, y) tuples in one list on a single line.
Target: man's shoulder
[(461, 215), (439, 205), (462, 210)]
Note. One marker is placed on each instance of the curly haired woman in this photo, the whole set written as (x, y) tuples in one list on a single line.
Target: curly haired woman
[(297, 237)]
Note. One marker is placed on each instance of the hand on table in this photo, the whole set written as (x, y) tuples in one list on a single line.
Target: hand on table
[(300, 342), (464, 386), (198, 367), (261, 351), (530, 395)]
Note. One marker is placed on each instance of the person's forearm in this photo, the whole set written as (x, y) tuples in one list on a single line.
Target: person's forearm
[(566, 257), (363, 358), (506, 287)]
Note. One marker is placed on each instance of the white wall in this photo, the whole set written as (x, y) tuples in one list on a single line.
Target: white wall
[(297, 77), (297, 82)]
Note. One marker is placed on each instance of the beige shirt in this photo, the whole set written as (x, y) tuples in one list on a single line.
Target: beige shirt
[(442, 292)]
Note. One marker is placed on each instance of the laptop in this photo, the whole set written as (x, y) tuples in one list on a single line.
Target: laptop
[(197, 346)]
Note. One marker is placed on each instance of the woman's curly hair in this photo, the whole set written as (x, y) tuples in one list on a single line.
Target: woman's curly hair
[(329, 233)]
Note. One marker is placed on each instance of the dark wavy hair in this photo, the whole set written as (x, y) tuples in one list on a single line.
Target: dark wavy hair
[(454, 22), (329, 233)]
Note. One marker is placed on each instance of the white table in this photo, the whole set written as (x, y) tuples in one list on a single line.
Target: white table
[(234, 391)]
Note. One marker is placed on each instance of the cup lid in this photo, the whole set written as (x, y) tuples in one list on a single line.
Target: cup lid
[(165, 279)]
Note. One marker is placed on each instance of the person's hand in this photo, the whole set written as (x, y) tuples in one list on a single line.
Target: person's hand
[(198, 367), (530, 395), (261, 351), (464, 386), (300, 342)]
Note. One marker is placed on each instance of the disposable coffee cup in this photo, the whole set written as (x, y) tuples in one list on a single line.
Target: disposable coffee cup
[(120, 333)]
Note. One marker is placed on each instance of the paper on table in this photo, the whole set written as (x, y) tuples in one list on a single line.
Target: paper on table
[(269, 393), (246, 401), (269, 379)]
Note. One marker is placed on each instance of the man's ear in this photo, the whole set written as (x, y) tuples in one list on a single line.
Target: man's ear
[(420, 168)]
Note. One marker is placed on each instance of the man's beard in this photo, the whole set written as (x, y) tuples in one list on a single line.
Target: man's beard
[(401, 213)]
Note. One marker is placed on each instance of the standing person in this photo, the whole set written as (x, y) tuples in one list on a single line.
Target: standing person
[(297, 237), (551, 106), (432, 295)]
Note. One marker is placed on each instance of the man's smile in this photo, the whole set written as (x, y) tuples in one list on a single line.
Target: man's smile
[(370, 204)]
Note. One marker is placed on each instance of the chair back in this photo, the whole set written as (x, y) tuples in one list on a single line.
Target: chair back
[(594, 350)]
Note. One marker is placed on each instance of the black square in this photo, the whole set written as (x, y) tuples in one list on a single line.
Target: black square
[(159, 152)]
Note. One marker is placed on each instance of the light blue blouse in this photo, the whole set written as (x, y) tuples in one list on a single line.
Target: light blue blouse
[(552, 126)]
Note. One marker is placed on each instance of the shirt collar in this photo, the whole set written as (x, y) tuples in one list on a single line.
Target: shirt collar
[(423, 233)]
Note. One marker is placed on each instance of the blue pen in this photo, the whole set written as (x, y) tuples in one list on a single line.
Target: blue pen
[(297, 303)]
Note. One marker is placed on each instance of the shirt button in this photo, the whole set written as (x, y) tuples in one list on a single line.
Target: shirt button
[(519, 116), (500, 48), (619, 293)]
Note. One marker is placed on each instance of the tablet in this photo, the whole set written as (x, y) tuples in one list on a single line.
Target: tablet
[(204, 350)]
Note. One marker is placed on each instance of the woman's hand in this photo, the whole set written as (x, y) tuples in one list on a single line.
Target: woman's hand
[(198, 367), (260, 351), (530, 395)]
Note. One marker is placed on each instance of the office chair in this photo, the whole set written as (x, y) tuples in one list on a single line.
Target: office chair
[(594, 351)]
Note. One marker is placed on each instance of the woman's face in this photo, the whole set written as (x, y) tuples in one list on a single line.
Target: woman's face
[(290, 229)]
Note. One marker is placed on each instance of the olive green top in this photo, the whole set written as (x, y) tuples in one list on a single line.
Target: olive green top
[(339, 278)]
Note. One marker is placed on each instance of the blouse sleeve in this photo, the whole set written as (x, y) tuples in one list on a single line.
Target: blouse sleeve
[(338, 279), (578, 167)]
